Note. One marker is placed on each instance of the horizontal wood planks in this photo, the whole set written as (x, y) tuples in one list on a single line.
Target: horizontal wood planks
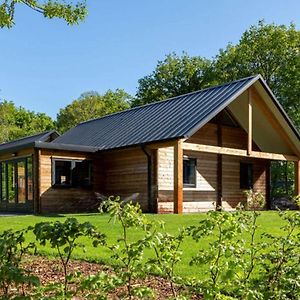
[(125, 175), (55, 199)]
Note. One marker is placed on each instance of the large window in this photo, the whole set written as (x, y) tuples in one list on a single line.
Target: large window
[(71, 173), (189, 172), (246, 176), (16, 184)]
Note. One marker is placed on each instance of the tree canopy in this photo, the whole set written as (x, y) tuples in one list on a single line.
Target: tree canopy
[(71, 13), (272, 51), (16, 122), (267, 49), (175, 75), (91, 105)]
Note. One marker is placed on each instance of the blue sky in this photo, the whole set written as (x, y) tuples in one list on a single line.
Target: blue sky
[(46, 64)]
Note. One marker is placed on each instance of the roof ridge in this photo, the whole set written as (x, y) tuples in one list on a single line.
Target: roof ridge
[(168, 99), (26, 137)]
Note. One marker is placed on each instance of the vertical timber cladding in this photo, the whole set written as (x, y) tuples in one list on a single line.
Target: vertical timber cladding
[(204, 197), (126, 175), (63, 199)]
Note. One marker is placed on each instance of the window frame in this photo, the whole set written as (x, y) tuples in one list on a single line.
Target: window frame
[(193, 184), (244, 183), (73, 165), (15, 162)]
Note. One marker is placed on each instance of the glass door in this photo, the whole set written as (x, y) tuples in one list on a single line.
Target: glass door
[(11, 182), (21, 181)]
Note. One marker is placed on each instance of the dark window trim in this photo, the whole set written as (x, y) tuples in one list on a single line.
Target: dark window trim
[(15, 161), (73, 163), (244, 185), (191, 185)]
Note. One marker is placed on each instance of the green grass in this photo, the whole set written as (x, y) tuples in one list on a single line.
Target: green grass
[(268, 222)]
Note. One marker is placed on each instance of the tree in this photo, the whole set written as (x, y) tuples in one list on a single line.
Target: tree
[(17, 122), (71, 13), (272, 51), (173, 76), (91, 105)]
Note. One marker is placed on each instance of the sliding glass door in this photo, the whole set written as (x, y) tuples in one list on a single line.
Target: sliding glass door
[(16, 184)]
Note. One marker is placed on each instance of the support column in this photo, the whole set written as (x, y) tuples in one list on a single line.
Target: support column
[(268, 184), (249, 148), (178, 177), (297, 177), (219, 168), (36, 182)]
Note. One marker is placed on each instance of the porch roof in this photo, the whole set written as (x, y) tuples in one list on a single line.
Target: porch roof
[(28, 141)]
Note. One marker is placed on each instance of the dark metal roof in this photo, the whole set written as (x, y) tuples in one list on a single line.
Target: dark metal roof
[(173, 118), (28, 141)]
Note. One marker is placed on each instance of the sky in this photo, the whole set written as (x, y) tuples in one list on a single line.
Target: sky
[(46, 64)]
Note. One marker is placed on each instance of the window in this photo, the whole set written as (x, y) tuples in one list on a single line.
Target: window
[(246, 176), (72, 173), (16, 184), (189, 172)]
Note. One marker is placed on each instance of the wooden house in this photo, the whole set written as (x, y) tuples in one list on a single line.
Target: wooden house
[(190, 153)]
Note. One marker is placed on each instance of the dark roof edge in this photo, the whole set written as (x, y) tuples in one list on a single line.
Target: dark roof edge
[(47, 134), (42, 134), (142, 144), (220, 108), (67, 147), (168, 99), (17, 148)]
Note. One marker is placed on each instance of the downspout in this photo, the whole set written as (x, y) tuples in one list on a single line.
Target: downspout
[(149, 179)]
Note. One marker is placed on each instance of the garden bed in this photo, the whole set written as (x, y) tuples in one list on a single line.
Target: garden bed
[(49, 270)]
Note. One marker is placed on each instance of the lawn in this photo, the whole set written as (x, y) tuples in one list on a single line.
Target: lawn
[(269, 221)]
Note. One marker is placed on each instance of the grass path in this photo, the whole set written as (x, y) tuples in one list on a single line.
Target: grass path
[(269, 221)]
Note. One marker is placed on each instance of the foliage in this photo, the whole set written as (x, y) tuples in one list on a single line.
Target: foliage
[(64, 238), (91, 105), (129, 256), (167, 255), (12, 250), (71, 13), (282, 179), (16, 122), (254, 200), (175, 75), (238, 263), (272, 51), (281, 269)]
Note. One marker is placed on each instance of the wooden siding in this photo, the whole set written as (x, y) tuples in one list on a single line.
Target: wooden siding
[(125, 175), (15, 155), (204, 196), (60, 199)]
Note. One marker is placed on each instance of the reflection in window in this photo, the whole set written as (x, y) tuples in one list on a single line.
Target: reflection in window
[(11, 181), (189, 172), (29, 179), (16, 184), (21, 181), (3, 182), (72, 173), (62, 173), (246, 176)]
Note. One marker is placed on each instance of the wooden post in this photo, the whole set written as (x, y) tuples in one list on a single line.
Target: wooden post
[(219, 168), (36, 181), (268, 184), (178, 177), (249, 149), (297, 177)]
